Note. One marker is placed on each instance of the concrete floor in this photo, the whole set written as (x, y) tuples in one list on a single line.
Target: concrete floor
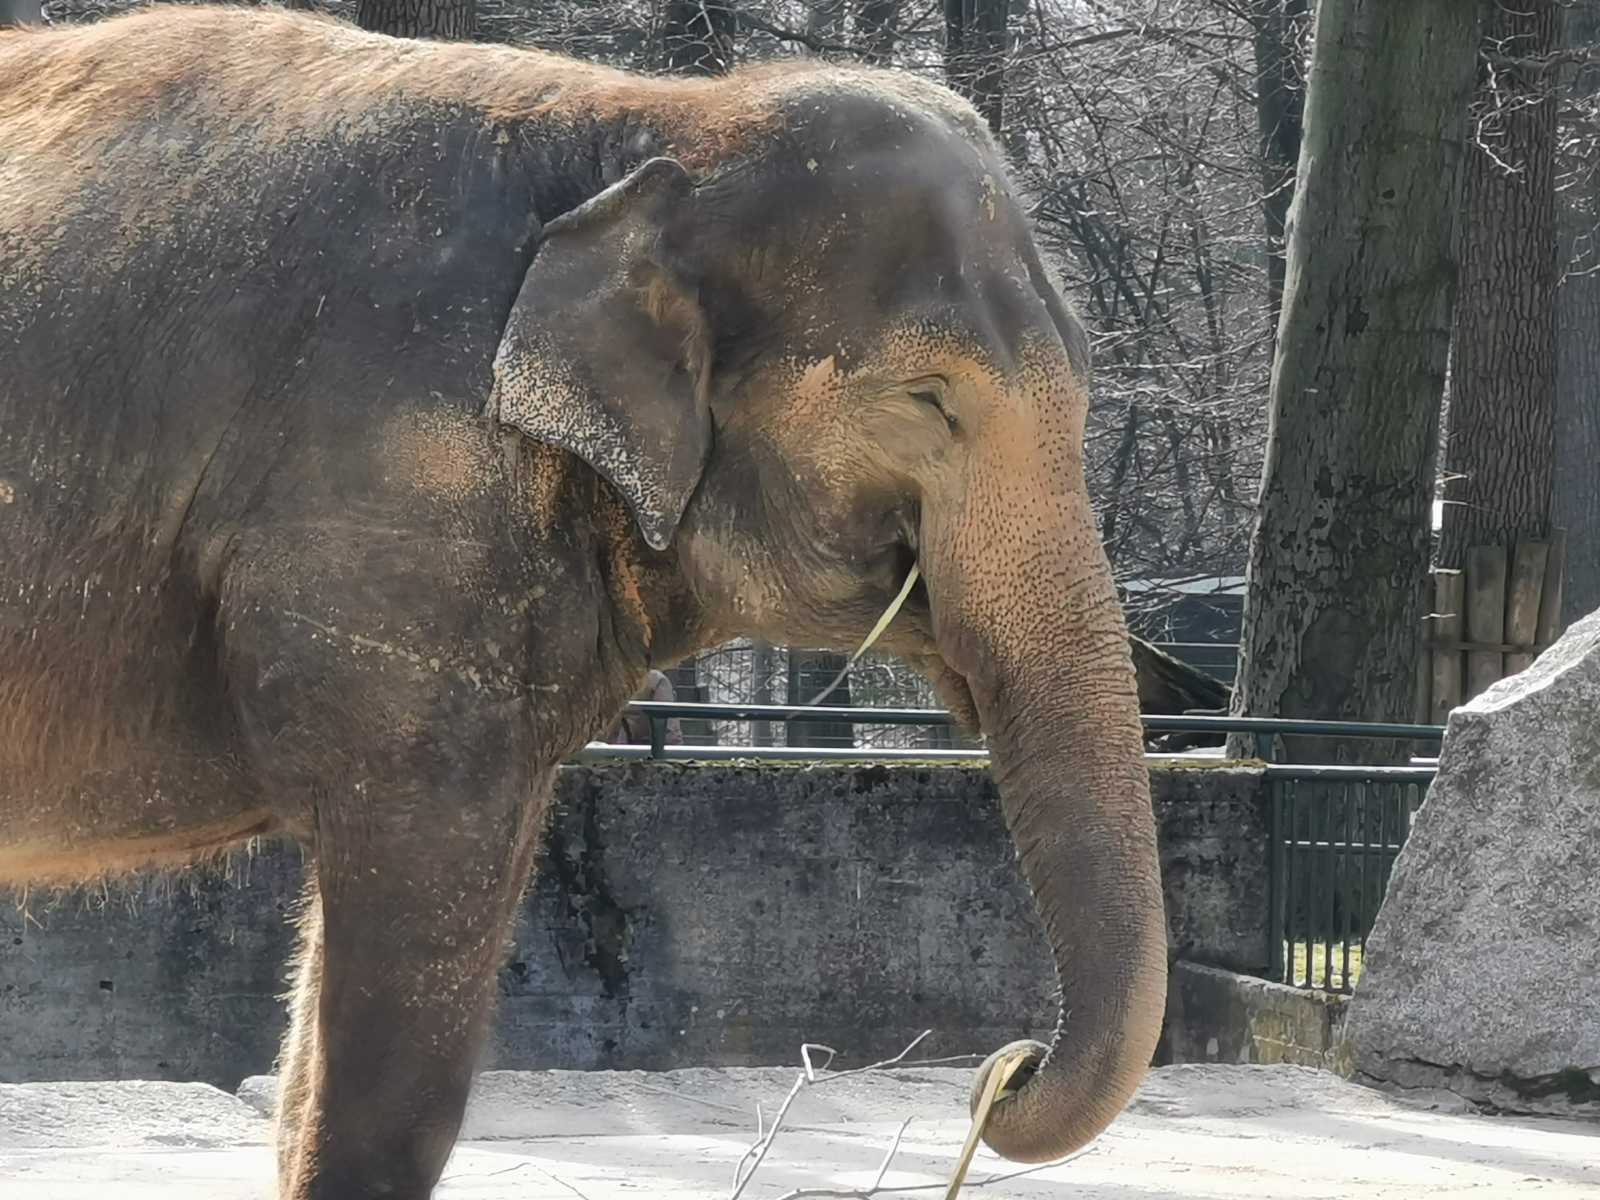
[(1223, 1132)]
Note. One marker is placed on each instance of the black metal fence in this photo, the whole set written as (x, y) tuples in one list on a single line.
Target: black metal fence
[(1335, 833), (1334, 830)]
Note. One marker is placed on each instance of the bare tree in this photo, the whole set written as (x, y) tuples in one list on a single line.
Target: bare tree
[(1499, 456), (1576, 485), (975, 54), (697, 36), (1143, 158), (1338, 563), (1280, 115)]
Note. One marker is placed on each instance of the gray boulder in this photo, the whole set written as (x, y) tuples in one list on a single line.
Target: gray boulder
[(1481, 973)]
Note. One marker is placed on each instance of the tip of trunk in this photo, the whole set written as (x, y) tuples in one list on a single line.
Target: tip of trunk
[(1061, 1099)]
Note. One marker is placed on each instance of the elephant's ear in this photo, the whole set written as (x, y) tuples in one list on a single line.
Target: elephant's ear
[(607, 353)]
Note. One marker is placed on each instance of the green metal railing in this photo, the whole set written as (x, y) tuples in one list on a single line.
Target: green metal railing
[(1334, 831)]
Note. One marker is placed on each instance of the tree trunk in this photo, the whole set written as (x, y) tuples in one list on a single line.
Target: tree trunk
[(1339, 558), (975, 54), (1575, 504), (1499, 454), (1280, 118), (809, 673), (449, 20), (697, 36)]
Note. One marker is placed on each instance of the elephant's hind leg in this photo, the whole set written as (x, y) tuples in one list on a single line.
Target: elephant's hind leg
[(300, 1053)]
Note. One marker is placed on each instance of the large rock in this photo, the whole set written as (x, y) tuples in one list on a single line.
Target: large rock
[(1481, 971)]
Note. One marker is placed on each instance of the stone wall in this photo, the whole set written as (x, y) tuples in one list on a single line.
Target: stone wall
[(707, 915), (1216, 1015)]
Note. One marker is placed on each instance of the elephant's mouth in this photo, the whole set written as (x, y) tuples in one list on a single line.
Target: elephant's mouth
[(918, 606), (953, 692), (916, 617)]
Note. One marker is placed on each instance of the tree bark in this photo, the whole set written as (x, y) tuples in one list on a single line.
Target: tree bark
[(1575, 503), (1280, 119), (975, 44), (1339, 558), (1500, 450), (448, 20), (697, 36)]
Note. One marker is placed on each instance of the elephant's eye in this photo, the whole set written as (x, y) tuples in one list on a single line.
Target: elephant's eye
[(935, 401)]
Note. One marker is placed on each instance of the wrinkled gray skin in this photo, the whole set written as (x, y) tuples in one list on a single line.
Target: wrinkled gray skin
[(374, 415)]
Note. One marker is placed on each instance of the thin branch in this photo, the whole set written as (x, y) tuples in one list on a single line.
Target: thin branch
[(870, 1193), (799, 36)]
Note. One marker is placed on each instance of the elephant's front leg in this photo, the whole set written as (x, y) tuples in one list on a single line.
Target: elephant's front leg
[(402, 942), (421, 797)]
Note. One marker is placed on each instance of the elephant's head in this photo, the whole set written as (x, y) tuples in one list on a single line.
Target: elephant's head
[(834, 357)]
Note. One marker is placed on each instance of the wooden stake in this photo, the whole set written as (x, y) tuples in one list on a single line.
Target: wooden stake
[(1486, 615), (1522, 601), (1555, 575), (1448, 589)]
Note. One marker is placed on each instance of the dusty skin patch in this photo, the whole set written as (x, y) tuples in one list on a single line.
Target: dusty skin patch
[(990, 192), (442, 454)]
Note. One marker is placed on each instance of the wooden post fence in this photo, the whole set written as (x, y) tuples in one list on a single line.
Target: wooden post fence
[(1489, 621)]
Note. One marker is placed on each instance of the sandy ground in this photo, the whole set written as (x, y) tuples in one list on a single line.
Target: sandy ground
[(1228, 1132)]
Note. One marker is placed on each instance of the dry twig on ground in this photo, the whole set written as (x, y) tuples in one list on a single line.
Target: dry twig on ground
[(809, 1076)]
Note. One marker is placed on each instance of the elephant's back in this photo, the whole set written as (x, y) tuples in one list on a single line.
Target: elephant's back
[(213, 259)]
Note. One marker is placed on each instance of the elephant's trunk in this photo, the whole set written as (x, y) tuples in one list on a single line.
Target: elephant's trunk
[(1056, 694)]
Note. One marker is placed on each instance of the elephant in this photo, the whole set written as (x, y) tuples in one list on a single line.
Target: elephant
[(375, 414)]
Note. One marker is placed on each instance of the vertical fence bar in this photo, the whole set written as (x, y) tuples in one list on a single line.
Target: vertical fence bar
[(1314, 876), (1275, 872), (1310, 911), (1385, 833), (1330, 887), (1287, 928), (1365, 809), (1345, 898)]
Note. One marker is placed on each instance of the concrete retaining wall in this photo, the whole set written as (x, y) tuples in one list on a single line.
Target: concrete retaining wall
[(707, 915), (1216, 1015)]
